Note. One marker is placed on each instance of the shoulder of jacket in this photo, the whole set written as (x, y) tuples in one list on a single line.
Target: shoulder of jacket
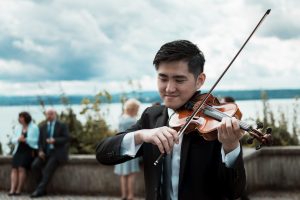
[(60, 123), (33, 125), (155, 110)]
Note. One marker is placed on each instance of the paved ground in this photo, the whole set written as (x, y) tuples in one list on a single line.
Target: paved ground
[(59, 197), (4, 196), (275, 195), (264, 195)]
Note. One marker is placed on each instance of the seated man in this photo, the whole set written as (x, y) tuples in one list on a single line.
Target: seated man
[(53, 150)]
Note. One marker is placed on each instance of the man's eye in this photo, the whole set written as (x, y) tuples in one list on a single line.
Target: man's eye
[(163, 79), (179, 81)]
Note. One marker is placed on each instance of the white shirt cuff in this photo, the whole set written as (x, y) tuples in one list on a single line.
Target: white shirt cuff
[(230, 157), (128, 146)]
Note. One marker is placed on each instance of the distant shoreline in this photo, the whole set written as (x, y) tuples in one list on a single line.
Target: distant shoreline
[(144, 97)]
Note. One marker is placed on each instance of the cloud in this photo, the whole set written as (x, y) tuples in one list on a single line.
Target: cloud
[(28, 45), (282, 22), (109, 41), (13, 69)]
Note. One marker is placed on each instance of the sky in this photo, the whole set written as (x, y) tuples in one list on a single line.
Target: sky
[(84, 46)]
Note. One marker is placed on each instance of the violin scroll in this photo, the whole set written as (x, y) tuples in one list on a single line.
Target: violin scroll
[(265, 139)]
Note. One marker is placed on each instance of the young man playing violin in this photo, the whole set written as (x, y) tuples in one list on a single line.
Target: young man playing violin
[(192, 168)]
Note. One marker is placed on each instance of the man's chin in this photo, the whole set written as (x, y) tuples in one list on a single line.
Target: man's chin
[(171, 105)]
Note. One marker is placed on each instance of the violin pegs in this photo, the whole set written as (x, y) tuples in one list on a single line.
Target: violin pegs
[(268, 140), (250, 140), (259, 125), (269, 130)]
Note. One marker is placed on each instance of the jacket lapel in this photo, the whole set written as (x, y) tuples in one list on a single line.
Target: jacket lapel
[(162, 120), (55, 129), (43, 136)]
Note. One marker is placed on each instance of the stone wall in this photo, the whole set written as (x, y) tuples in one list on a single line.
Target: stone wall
[(273, 168), (267, 169), (81, 175)]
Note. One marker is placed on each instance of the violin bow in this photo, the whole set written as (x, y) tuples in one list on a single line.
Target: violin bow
[(183, 128)]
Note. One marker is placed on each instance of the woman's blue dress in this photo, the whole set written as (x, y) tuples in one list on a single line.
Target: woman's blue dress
[(130, 166)]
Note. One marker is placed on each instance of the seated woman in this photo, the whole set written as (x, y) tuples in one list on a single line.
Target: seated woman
[(25, 140)]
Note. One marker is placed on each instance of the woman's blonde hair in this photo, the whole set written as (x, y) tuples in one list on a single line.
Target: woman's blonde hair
[(131, 104)]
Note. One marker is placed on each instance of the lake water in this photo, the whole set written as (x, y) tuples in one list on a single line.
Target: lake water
[(111, 112)]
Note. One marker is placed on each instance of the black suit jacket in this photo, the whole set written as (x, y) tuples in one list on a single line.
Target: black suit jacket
[(202, 173), (61, 136)]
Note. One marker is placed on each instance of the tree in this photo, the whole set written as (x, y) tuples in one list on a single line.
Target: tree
[(280, 134), (85, 136)]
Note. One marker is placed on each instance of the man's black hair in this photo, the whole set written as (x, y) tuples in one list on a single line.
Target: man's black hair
[(181, 50)]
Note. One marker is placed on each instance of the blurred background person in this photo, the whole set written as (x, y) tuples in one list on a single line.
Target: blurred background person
[(227, 99), (128, 169), (25, 139), (156, 103), (53, 151)]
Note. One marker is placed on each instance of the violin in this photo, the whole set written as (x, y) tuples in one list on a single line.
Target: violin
[(208, 112), (207, 119)]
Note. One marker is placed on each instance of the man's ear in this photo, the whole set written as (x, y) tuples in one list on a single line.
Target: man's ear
[(200, 80)]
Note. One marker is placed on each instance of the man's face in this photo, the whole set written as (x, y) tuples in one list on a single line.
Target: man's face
[(176, 85), (50, 115)]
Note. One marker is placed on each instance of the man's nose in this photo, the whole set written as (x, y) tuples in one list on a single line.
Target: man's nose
[(170, 87)]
